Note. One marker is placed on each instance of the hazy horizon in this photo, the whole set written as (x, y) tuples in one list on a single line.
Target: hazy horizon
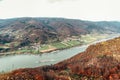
[(62, 18), (92, 10)]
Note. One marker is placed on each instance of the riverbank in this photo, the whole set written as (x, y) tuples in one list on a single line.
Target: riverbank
[(16, 61), (26, 60), (68, 43)]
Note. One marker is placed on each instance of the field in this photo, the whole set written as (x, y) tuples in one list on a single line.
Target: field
[(67, 43)]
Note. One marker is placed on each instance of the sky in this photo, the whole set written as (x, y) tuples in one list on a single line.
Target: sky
[(94, 10)]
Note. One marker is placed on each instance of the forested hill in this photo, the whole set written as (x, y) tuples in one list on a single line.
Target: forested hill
[(100, 61), (44, 30)]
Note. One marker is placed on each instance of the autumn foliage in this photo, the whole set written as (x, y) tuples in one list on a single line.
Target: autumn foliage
[(100, 61)]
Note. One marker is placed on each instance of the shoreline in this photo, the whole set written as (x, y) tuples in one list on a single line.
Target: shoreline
[(41, 52), (55, 49)]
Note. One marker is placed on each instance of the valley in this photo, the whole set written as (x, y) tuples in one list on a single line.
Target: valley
[(41, 35), (17, 61), (59, 48), (98, 61)]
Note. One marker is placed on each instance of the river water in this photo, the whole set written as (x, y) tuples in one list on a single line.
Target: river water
[(12, 62)]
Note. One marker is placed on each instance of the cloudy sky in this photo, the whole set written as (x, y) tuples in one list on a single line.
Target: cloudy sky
[(75, 9)]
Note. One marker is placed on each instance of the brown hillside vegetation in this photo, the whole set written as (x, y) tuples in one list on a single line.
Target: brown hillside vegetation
[(99, 62)]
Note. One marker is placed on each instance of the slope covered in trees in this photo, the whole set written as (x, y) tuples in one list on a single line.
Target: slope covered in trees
[(100, 61), (26, 32)]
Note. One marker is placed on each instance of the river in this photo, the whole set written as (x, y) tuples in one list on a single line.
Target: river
[(12, 62)]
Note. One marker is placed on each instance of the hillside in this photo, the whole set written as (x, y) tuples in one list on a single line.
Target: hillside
[(29, 33), (100, 61)]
